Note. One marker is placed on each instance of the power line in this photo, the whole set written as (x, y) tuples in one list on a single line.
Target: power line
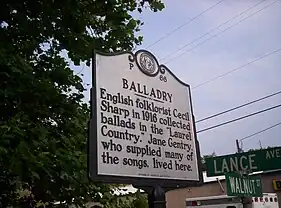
[(210, 31), (201, 43), (239, 118), (237, 107), (237, 68), (247, 137), (184, 24)]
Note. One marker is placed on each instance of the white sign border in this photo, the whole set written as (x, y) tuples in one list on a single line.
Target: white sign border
[(92, 138)]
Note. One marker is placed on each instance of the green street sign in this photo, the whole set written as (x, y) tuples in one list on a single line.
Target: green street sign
[(247, 186), (259, 160)]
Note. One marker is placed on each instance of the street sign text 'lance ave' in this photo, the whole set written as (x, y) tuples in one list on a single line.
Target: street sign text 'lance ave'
[(259, 160)]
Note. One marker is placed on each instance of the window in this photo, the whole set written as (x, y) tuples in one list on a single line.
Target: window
[(271, 199), (256, 199), (261, 199), (275, 199), (266, 199)]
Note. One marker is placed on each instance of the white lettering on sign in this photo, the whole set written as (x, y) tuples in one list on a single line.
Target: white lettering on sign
[(252, 162), (243, 185), (144, 126), (232, 184), (278, 153), (216, 169), (246, 186), (274, 153), (241, 163), (259, 160), (225, 168), (237, 190), (235, 164)]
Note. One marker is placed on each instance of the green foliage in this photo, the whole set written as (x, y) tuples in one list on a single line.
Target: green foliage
[(76, 26), (207, 156), (140, 201), (131, 200), (43, 120)]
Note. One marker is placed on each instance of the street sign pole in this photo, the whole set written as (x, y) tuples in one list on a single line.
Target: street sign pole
[(239, 150)]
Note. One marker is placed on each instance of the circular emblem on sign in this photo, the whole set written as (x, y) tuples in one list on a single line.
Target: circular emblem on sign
[(147, 63)]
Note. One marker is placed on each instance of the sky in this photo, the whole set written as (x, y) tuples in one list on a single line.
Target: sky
[(251, 35)]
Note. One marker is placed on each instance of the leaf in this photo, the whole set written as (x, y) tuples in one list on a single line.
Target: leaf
[(88, 62), (43, 112)]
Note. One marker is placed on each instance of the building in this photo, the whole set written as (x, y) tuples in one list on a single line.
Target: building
[(214, 186)]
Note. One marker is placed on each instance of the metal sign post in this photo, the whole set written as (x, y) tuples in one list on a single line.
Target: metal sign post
[(156, 196), (245, 172), (239, 150)]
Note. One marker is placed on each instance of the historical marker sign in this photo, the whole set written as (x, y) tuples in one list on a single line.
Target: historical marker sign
[(142, 125), (238, 185), (259, 160)]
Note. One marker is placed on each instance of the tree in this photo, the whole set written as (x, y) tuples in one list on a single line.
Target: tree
[(130, 200), (141, 200), (43, 121), (203, 158)]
